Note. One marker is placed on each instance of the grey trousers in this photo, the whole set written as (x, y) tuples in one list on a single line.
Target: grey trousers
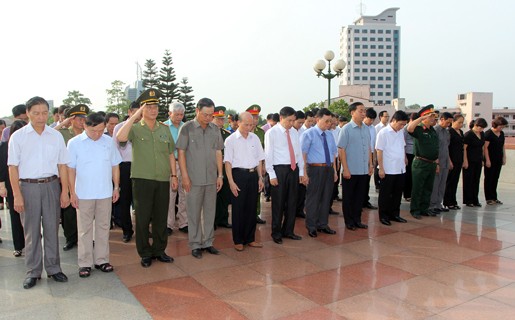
[(439, 189), (201, 204), (42, 208), (318, 195), (93, 217)]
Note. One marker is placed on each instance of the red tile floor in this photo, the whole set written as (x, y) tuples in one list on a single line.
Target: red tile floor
[(459, 266)]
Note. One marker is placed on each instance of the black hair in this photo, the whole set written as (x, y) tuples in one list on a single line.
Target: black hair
[(134, 105), (94, 119), (205, 102), (235, 117), (480, 122), (499, 121), (20, 109), (55, 111), (343, 119), (445, 115), (269, 116), (457, 116), (300, 115), (324, 112), (286, 112), (354, 106), (400, 115), (315, 111), (413, 116), (309, 114), (371, 113), (16, 125), (32, 102), (111, 115), (2, 122), (102, 113), (275, 117), (382, 112), (62, 108)]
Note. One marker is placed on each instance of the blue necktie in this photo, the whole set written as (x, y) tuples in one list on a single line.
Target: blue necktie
[(326, 151)]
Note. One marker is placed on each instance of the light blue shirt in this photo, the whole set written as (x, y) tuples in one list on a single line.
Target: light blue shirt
[(174, 131), (312, 144), (93, 162), (356, 142)]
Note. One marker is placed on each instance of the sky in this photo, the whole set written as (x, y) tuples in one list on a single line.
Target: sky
[(240, 52)]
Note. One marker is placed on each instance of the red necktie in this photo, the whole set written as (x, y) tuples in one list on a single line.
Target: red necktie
[(292, 153)]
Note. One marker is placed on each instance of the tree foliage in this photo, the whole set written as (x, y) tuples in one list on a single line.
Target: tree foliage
[(75, 97), (116, 101), (413, 106), (340, 107), (150, 77), (186, 99)]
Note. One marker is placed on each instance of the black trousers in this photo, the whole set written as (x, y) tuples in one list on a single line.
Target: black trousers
[(244, 206), (366, 191), (471, 177), (16, 225), (451, 186), (491, 180), (353, 195), (301, 199), (125, 201), (319, 193), (223, 198), (69, 223), (284, 201), (390, 196), (151, 199), (408, 183)]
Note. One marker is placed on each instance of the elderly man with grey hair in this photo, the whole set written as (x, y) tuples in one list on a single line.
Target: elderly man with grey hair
[(175, 123)]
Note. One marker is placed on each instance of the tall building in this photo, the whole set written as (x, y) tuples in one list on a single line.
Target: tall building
[(132, 93), (475, 105), (371, 49)]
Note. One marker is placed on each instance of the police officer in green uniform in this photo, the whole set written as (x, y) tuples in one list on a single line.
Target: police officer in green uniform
[(425, 163), (224, 195), (153, 162), (254, 110), (73, 125)]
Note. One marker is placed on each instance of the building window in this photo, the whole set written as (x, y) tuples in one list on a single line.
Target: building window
[(477, 103), (380, 102), (513, 116), (388, 94), (381, 55), (388, 31), (356, 46), (372, 54), (365, 46), (387, 39), (388, 62), (356, 78), (388, 54), (356, 31), (477, 115), (380, 78), (372, 46), (372, 62), (379, 39), (372, 70), (357, 62), (372, 86), (365, 54), (388, 86), (380, 31), (372, 31), (380, 86), (381, 47), (380, 62), (364, 31), (364, 39), (380, 70), (388, 47), (380, 94), (372, 79), (365, 70), (356, 38), (356, 69), (372, 39), (356, 54), (365, 78), (388, 70), (388, 78), (365, 62)]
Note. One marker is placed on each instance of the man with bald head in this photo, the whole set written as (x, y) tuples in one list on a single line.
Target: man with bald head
[(243, 158)]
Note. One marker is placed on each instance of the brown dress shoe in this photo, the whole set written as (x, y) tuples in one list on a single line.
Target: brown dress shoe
[(255, 244), (238, 247)]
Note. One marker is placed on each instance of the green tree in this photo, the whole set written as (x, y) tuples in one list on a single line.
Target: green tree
[(116, 101), (150, 77), (413, 106), (314, 105), (167, 85), (340, 107), (186, 99), (75, 97)]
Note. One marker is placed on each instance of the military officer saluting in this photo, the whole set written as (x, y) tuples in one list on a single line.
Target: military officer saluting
[(223, 196), (254, 110), (425, 164)]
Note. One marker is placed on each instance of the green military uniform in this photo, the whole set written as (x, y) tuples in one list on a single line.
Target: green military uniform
[(224, 195), (150, 173), (425, 149), (254, 110), (69, 214)]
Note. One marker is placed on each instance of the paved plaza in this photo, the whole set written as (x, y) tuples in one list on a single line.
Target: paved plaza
[(457, 266)]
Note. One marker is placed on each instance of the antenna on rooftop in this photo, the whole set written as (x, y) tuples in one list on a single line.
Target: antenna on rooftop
[(362, 8), (139, 73)]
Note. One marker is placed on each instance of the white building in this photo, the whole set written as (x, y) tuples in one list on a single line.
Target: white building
[(475, 105), (371, 49)]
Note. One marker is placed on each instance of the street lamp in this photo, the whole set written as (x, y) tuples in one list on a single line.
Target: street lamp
[(338, 67)]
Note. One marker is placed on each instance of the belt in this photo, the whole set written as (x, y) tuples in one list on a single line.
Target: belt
[(284, 165), (245, 170), (40, 180), (320, 165), (425, 160)]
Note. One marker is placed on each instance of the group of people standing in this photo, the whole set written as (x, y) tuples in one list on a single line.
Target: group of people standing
[(184, 175)]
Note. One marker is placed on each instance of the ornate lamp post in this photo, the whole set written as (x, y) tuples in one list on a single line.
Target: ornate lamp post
[(338, 67)]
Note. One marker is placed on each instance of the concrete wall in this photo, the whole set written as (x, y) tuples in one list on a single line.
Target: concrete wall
[(508, 171)]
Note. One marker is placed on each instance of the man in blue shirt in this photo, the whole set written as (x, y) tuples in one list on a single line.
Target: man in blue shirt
[(175, 123), (319, 152), (356, 157)]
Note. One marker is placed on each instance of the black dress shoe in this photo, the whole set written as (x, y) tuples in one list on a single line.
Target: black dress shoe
[(370, 206), (301, 215), (294, 237), (433, 212), (212, 250), (260, 221), (386, 222), (169, 231), (184, 229), (197, 253), (225, 225), (126, 238), (164, 258), (477, 204), (69, 245), (337, 198), (361, 225), (59, 277), (416, 216), (427, 214), (146, 262), (445, 209), (312, 234), (351, 227), (399, 219), (267, 199), (331, 211), (327, 230), (278, 240), (30, 282)]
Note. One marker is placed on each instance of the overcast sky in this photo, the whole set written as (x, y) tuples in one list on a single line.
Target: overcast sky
[(240, 52)]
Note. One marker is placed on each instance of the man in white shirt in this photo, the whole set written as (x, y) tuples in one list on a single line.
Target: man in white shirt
[(383, 120), (37, 155), (391, 161), (243, 159), (94, 180), (284, 164), (370, 117)]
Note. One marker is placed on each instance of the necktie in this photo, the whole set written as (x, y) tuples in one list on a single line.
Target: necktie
[(326, 151), (290, 149)]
